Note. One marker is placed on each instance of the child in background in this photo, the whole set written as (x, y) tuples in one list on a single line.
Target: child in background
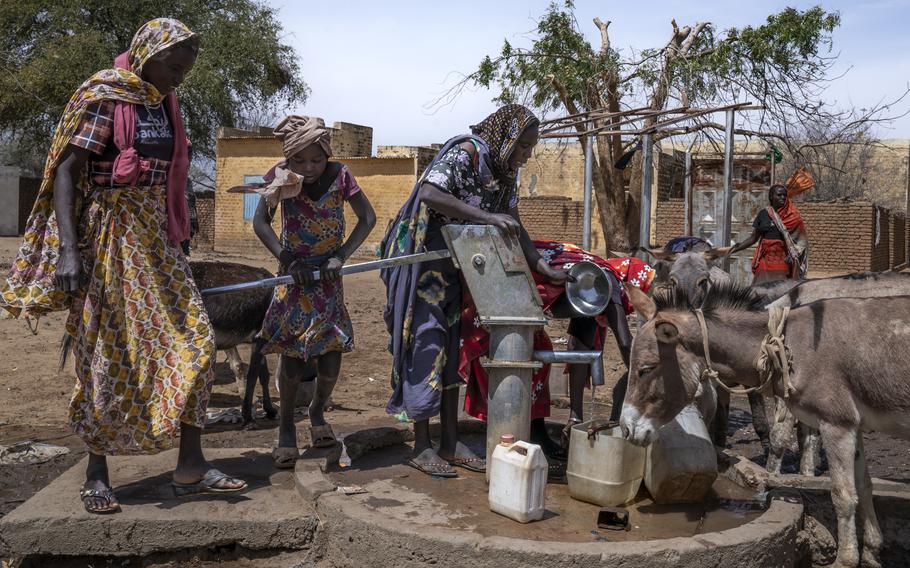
[(308, 320)]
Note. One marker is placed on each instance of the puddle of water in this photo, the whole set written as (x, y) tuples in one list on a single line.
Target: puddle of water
[(461, 503)]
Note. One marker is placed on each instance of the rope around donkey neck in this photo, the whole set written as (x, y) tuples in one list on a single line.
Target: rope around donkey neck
[(774, 357)]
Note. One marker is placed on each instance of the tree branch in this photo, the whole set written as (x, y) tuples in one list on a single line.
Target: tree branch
[(604, 36)]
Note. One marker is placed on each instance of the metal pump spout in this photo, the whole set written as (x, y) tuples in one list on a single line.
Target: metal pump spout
[(593, 358)]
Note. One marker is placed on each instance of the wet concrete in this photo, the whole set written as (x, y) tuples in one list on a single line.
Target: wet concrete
[(405, 494), (405, 521), (270, 514)]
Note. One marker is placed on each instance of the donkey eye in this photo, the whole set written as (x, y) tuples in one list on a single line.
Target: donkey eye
[(643, 371)]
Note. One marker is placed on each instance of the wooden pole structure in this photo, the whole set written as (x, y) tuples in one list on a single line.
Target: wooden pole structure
[(687, 195), (647, 174), (589, 179), (727, 216)]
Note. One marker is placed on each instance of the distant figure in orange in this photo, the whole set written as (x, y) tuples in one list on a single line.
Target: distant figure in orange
[(783, 246)]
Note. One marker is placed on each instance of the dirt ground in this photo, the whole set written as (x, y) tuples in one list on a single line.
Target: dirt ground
[(34, 396)]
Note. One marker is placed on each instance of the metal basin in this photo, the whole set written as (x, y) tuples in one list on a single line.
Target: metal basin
[(590, 293)]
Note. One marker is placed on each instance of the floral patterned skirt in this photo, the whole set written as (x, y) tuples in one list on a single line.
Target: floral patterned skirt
[(143, 343), (306, 321)]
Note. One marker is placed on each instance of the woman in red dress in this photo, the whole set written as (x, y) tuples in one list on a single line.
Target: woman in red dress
[(782, 240)]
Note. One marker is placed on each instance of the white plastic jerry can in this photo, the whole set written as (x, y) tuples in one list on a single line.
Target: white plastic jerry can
[(518, 480)]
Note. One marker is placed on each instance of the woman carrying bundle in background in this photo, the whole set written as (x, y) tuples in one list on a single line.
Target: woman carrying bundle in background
[(783, 245)]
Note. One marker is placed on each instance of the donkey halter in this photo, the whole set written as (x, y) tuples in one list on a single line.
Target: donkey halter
[(774, 357)]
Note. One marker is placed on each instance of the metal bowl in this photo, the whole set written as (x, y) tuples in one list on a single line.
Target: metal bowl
[(592, 289)]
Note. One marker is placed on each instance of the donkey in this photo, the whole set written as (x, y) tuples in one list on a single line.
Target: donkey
[(236, 319), (858, 285), (694, 272), (849, 374), (790, 293)]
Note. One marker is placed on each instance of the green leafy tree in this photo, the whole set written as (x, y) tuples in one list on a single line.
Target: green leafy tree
[(48, 48), (782, 65)]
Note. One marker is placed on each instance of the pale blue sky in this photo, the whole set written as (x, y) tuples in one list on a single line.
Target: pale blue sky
[(380, 63)]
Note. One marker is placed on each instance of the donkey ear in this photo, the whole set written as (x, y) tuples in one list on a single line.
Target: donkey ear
[(640, 301), (660, 254), (666, 332), (715, 253)]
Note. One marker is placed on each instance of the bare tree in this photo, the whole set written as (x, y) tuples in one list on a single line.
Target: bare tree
[(782, 65)]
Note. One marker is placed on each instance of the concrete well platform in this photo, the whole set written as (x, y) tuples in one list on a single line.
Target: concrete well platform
[(270, 514), (409, 519)]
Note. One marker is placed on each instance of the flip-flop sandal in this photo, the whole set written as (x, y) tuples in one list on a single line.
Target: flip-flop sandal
[(432, 469), (208, 484), (107, 494), (478, 465), (322, 436), (285, 458)]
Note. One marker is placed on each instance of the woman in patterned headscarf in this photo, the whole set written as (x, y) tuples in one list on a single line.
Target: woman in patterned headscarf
[(109, 251), (471, 180)]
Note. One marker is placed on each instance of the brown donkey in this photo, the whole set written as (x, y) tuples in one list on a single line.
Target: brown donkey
[(850, 373)]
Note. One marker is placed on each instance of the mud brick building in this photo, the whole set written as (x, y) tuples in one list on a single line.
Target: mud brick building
[(244, 156), (844, 236), (553, 218)]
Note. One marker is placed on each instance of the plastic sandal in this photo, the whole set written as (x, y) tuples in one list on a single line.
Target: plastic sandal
[(208, 484), (478, 465), (107, 494), (432, 469)]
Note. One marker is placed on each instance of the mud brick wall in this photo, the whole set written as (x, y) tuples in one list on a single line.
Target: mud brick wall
[(671, 221), (204, 239), (898, 239), (387, 182), (424, 154), (842, 235), (352, 140), (558, 170), (554, 218), (234, 159)]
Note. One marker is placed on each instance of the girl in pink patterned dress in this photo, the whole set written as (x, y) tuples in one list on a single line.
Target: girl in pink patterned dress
[(308, 320)]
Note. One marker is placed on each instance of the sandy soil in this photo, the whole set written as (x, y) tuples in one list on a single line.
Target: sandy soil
[(34, 396)]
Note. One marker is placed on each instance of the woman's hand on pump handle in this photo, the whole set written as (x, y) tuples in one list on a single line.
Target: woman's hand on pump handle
[(331, 268), (301, 272), (506, 223)]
